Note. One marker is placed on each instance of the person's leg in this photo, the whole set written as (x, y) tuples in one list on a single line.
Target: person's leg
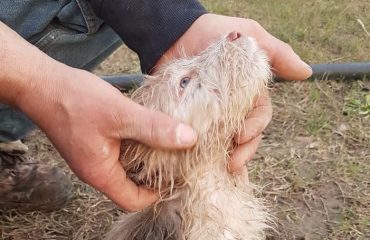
[(68, 31), (13, 124)]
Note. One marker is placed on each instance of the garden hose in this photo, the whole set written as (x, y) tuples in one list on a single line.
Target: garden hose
[(358, 70)]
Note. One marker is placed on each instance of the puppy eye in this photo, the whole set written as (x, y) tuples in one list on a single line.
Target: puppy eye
[(184, 82)]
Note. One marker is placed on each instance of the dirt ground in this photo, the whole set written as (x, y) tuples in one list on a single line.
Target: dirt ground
[(314, 162)]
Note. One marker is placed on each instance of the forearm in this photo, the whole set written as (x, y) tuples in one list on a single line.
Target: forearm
[(20, 64), (13, 52), (25, 70)]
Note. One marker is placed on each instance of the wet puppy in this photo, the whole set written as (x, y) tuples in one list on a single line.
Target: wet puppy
[(200, 199)]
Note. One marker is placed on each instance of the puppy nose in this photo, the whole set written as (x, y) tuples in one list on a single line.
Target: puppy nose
[(233, 36)]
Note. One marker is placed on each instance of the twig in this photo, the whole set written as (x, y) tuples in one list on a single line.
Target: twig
[(337, 59), (325, 208), (325, 93), (341, 190), (306, 203), (363, 27)]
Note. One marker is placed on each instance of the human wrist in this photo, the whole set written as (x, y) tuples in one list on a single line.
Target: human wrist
[(29, 79), (11, 74), (22, 66)]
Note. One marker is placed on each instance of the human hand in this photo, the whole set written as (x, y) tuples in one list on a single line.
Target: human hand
[(284, 63), (85, 118), (90, 118)]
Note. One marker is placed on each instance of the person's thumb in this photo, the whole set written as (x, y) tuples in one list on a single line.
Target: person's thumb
[(286, 63), (157, 129)]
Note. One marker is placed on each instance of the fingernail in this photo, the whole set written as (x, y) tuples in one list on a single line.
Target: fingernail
[(185, 134), (306, 65)]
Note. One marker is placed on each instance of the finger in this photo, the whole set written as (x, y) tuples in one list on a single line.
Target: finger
[(284, 61), (243, 153), (157, 129), (257, 120), (121, 190), (287, 64)]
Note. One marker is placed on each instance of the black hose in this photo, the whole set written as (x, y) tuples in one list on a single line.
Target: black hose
[(126, 82), (342, 70)]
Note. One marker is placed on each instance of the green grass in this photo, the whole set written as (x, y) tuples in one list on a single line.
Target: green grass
[(317, 122), (358, 105), (320, 31)]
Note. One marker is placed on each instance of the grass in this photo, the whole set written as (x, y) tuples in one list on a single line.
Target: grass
[(320, 31), (357, 105), (314, 162)]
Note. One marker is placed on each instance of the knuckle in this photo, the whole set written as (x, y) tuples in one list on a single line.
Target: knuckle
[(253, 23), (285, 47)]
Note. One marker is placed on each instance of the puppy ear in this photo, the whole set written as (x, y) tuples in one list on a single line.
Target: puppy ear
[(232, 36)]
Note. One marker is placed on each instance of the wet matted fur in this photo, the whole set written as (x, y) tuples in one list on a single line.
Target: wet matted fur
[(212, 92)]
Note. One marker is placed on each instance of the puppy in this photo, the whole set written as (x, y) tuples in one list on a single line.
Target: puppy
[(199, 198)]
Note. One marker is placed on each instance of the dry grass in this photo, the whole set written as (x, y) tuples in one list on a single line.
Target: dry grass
[(314, 162)]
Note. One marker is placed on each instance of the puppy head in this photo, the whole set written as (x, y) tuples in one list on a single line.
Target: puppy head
[(212, 92)]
